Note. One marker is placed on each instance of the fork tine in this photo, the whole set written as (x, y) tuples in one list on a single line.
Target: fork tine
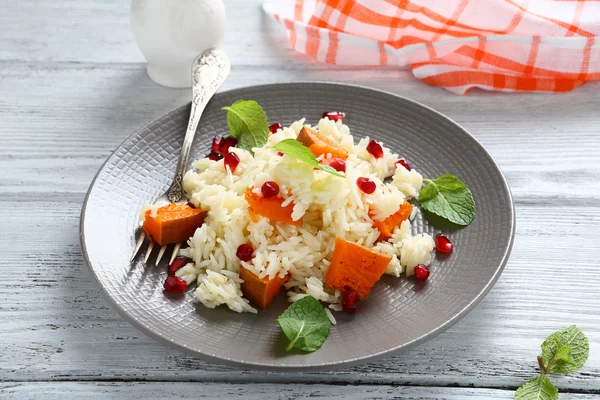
[(138, 245), (150, 247), (175, 251), (160, 254)]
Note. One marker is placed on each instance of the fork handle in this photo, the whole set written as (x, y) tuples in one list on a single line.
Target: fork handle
[(209, 71)]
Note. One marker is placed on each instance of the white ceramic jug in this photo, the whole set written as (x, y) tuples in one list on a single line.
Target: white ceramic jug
[(172, 33)]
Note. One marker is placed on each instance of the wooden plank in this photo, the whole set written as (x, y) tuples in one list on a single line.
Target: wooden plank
[(56, 326), (187, 390)]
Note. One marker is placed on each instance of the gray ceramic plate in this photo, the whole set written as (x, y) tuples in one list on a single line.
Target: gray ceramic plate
[(398, 314)]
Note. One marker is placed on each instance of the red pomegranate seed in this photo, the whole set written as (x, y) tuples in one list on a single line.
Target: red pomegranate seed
[(443, 244), (177, 264), (338, 164), (421, 273), (216, 144), (232, 160), (375, 149), (334, 115), (175, 284), (366, 185), (280, 154), (226, 143), (244, 252), (349, 301), (273, 128), (403, 162), (270, 189), (214, 156)]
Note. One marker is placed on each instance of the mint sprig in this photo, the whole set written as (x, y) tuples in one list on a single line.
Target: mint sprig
[(563, 352), (300, 152), (448, 197), (247, 123), (305, 324)]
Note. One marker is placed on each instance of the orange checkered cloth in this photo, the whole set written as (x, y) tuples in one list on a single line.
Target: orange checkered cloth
[(501, 45)]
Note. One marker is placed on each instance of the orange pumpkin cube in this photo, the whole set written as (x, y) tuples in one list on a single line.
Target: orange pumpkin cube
[(387, 226), (355, 267), (320, 144), (269, 207), (173, 223), (260, 291)]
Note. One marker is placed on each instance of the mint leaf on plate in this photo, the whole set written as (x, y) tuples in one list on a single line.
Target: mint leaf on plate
[(570, 359), (247, 123), (539, 388), (449, 198), (300, 152), (305, 324)]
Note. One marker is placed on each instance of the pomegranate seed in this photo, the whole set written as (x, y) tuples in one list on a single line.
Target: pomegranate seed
[(216, 144), (175, 284), (443, 244), (349, 301), (421, 273), (403, 162), (275, 127), (177, 264), (214, 156), (270, 189), (226, 143), (221, 145), (244, 252), (280, 154), (232, 160), (375, 149), (338, 164), (334, 115), (366, 185)]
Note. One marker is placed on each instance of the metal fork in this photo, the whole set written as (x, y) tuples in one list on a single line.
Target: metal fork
[(209, 71)]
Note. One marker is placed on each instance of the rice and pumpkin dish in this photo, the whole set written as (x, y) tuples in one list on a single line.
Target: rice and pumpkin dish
[(308, 211)]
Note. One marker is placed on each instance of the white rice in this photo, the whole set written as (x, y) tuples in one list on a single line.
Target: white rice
[(408, 182), (416, 250), (330, 316), (216, 288), (328, 206)]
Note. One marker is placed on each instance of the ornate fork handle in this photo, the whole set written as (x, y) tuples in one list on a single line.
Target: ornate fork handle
[(209, 71)]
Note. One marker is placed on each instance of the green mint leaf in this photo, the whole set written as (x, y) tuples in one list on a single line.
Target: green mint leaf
[(247, 123), (297, 150), (305, 324), (449, 198), (564, 354), (300, 152), (578, 350), (539, 388)]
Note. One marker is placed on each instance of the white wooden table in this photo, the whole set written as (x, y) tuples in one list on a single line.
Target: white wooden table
[(73, 86)]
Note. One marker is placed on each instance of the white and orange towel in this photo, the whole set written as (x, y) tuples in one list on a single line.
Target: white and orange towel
[(501, 45)]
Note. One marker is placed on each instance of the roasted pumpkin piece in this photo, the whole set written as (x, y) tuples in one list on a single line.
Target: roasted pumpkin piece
[(355, 267), (320, 144), (173, 223), (260, 291), (269, 207), (387, 226)]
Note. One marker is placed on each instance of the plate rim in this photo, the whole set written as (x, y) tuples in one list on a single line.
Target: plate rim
[(323, 365)]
